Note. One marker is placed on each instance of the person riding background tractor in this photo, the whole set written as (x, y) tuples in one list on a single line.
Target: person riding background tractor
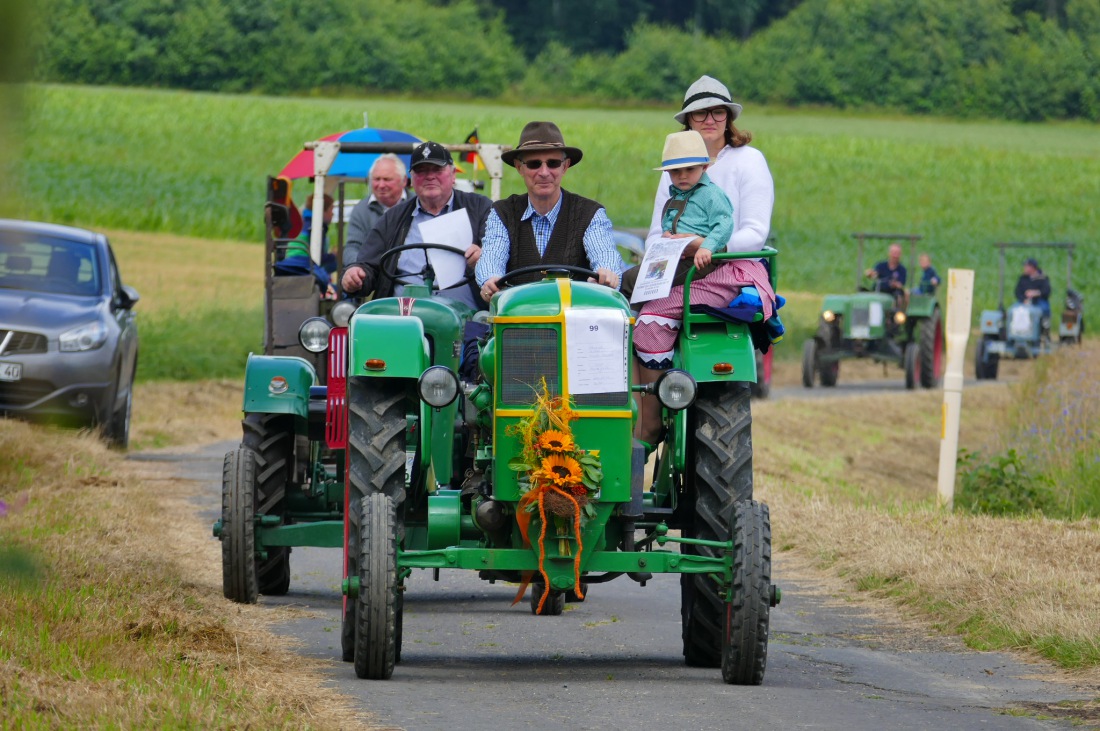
[(433, 179), (549, 225), (890, 274), (388, 181), (1033, 287), (929, 278)]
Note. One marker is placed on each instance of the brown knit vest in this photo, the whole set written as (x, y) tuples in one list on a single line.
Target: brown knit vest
[(566, 244)]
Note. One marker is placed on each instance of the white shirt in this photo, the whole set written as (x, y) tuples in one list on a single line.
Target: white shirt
[(742, 172)]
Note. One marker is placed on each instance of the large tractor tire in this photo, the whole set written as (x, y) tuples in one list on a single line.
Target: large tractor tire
[(912, 362), (376, 627), (745, 640), (931, 350), (719, 475), (809, 362), (985, 363), (271, 439), (376, 465), (238, 532)]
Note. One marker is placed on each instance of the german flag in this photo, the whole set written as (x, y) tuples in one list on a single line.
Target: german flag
[(472, 139)]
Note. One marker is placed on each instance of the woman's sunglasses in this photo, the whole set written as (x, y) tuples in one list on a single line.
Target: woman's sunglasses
[(719, 114), (553, 163)]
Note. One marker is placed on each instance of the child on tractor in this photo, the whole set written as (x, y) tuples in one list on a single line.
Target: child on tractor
[(699, 210)]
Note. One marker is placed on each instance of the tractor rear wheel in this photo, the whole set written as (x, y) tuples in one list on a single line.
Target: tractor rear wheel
[(719, 475), (931, 350), (376, 603), (911, 360), (985, 363), (745, 641), (809, 362), (238, 532), (271, 439)]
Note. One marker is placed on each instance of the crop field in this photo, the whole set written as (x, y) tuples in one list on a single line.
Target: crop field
[(194, 164)]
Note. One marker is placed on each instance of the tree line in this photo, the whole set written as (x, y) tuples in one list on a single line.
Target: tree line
[(1020, 59)]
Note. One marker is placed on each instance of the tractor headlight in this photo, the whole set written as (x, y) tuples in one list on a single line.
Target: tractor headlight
[(438, 386), (676, 389), (899, 317), (342, 312), (313, 334), (828, 316)]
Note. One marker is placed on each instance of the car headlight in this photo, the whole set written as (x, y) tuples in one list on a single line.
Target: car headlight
[(438, 386), (86, 337), (313, 334), (342, 312), (676, 389)]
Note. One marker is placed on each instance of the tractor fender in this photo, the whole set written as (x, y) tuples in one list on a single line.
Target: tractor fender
[(992, 321), (396, 341), (921, 305), (726, 342), (278, 384)]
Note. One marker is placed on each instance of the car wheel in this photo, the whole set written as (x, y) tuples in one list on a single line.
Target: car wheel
[(118, 426)]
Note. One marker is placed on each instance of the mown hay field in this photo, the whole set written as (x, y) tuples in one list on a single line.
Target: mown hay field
[(194, 164)]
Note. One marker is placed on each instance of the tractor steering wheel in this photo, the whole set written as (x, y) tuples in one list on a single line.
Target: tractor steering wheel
[(505, 281), (388, 265)]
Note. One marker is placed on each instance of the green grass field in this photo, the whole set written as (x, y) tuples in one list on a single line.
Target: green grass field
[(195, 164)]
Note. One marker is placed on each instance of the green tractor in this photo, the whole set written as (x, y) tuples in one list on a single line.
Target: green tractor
[(527, 472), (903, 328)]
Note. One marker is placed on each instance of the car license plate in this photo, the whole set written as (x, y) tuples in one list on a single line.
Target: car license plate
[(11, 371)]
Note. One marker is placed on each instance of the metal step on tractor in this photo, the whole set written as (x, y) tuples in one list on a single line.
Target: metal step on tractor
[(524, 472), (1023, 330), (899, 327)]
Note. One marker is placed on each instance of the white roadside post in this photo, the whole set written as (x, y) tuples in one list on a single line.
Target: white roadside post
[(960, 297)]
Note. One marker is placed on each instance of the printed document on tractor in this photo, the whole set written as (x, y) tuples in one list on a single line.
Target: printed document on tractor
[(453, 230), (595, 346), (658, 268)]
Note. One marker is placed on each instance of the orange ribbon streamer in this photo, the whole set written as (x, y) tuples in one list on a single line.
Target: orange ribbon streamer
[(523, 518)]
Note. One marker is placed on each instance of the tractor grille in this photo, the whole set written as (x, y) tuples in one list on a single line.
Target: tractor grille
[(861, 316), (527, 356), (21, 342), (336, 406)]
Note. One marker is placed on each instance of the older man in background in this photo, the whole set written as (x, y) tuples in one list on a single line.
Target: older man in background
[(388, 181)]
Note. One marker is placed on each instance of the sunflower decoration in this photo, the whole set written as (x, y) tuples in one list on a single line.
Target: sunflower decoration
[(558, 482)]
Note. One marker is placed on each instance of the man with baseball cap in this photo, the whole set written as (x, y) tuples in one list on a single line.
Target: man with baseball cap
[(433, 180), (549, 225)]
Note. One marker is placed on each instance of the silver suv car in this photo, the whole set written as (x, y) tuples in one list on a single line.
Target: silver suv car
[(68, 335)]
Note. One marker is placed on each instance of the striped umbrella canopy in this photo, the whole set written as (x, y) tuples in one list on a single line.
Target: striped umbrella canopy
[(351, 165)]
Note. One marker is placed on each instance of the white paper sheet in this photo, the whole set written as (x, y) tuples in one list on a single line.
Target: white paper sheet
[(453, 230), (596, 350), (658, 268)]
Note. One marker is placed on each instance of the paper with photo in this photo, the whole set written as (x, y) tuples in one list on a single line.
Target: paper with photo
[(596, 350), (453, 230), (658, 268)]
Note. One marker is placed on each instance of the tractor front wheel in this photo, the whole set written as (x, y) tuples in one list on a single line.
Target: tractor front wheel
[(809, 362), (719, 475), (271, 439), (911, 358), (377, 601), (745, 640), (931, 350), (985, 363), (238, 531), (554, 605)]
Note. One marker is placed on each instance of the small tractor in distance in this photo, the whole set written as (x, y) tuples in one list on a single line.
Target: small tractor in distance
[(1021, 331), (525, 472), (903, 327)]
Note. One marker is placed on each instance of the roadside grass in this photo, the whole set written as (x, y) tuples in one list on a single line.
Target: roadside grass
[(865, 509), (194, 164), (105, 623)]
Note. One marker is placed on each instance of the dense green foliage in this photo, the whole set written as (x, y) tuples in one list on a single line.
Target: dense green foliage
[(1001, 485), (987, 58), (195, 164)]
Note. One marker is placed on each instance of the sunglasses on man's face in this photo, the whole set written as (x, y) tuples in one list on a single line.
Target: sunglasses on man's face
[(553, 163)]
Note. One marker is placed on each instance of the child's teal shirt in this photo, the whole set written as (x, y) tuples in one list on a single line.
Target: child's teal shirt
[(708, 213)]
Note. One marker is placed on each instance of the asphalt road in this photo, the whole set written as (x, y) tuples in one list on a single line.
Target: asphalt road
[(470, 661)]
